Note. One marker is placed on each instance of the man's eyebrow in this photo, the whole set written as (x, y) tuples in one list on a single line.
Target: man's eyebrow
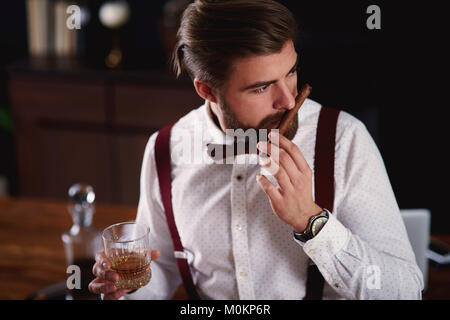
[(295, 66), (258, 84), (266, 83)]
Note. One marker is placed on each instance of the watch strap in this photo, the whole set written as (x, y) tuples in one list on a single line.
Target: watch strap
[(308, 234)]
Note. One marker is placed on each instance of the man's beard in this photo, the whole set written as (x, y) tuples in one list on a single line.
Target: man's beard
[(231, 122)]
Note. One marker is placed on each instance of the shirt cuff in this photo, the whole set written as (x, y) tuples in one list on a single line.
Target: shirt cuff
[(330, 240), (146, 292), (134, 295)]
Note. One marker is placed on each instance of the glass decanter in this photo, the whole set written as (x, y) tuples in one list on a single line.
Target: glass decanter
[(82, 241)]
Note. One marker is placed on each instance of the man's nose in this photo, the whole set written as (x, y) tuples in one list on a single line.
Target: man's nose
[(285, 98)]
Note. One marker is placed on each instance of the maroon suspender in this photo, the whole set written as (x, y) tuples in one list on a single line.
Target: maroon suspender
[(323, 185), (324, 158), (324, 194), (163, 165)]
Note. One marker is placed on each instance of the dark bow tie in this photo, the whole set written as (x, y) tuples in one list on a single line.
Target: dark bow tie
[(221, 151)]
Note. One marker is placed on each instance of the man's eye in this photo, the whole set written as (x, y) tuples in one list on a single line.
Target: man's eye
[(260, 90), (293, 72)]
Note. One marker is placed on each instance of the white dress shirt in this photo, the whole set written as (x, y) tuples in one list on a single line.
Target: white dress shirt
[(238, 249)]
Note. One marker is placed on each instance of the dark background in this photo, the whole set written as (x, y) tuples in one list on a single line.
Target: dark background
[(394, 79)]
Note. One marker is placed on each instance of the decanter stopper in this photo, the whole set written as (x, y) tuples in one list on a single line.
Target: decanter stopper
[(81, 204)]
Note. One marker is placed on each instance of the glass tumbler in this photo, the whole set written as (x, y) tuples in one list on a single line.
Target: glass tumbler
[(127, 246)]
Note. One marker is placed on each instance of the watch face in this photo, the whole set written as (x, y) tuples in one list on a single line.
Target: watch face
[(317, 225)]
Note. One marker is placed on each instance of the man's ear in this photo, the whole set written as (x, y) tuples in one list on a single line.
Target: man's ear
[(205, 91)]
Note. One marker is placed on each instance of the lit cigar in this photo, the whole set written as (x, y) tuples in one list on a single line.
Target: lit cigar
[(291, 114)]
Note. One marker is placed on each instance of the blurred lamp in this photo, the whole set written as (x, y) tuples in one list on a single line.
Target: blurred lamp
[(113, 15)]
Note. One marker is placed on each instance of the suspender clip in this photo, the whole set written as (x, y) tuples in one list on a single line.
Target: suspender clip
[(180, 255)]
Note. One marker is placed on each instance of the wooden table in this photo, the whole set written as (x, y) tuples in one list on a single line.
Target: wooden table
[(31, 251), (32, 254)]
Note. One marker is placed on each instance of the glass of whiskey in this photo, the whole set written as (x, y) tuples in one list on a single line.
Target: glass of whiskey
[(127, 246)]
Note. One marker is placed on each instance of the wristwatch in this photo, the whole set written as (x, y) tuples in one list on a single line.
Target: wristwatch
[(315, 224)]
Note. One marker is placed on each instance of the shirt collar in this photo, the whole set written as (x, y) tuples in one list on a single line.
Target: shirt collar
[(214, 133)]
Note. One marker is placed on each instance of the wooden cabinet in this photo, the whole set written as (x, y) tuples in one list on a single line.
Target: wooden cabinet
[(51, 159), (71, 128), (53, 98), (158, 105)]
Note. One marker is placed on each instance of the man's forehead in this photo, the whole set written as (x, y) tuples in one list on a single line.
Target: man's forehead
[(264, 67)]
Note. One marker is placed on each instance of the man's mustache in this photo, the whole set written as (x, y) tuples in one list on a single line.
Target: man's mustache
[(271, 119)]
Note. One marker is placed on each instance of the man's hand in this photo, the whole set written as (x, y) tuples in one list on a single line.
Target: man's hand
[(105, 278), (292, 201)]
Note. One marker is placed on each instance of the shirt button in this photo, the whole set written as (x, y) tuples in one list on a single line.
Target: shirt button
[(336, 285), (243, 274), (312, 251), (239, 227), (239, 177)]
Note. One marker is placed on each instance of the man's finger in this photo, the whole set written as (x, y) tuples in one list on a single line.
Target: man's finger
[(278, 172), (155, 254), (103, 260), (269, 163), (273, 153), (98, 286), (285, 164), (293, 150), (100, 272), (269, 189)]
